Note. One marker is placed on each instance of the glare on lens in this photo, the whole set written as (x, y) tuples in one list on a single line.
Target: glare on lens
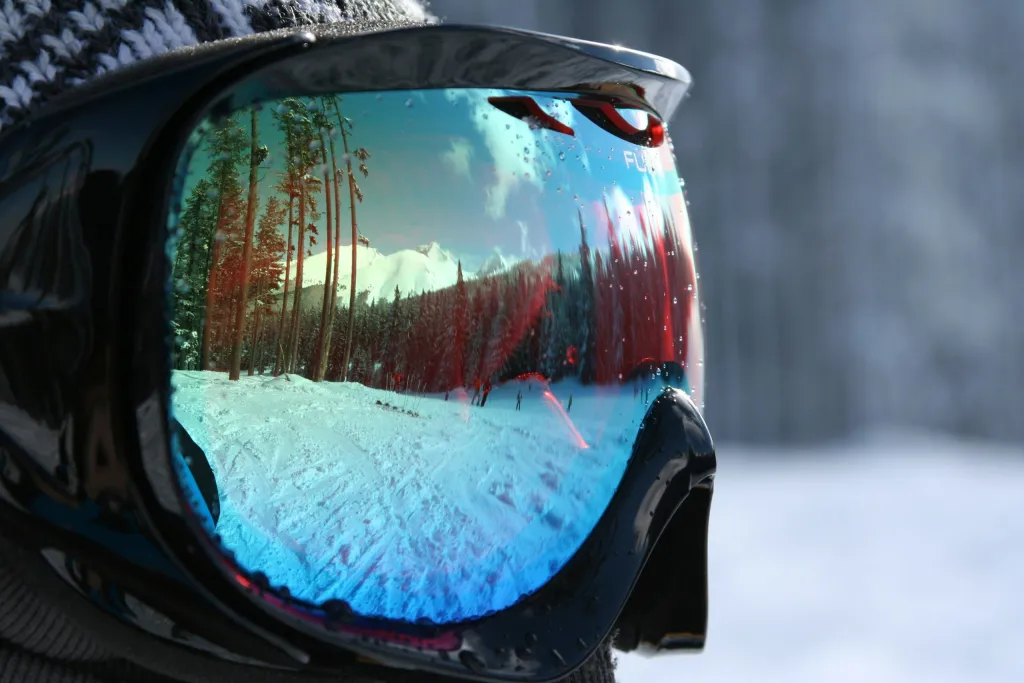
[(415, 343)]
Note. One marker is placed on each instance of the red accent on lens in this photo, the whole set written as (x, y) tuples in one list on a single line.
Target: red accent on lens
[(447, 641), (655, 129), (526, 107)]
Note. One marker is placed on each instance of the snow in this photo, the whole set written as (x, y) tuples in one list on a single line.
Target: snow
[(323, 487), (496, 262), (888, 559), (892, 559), (422, 269)]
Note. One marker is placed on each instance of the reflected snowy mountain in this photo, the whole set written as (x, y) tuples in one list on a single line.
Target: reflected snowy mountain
[(423, 269), (426, 268), (496, 262)]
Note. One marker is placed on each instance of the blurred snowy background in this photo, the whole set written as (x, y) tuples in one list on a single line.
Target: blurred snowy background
[(856, 178)]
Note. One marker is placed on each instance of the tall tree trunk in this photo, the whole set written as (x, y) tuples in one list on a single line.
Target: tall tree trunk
[(257, 319), (242, 300), (355, 242), (336, 184), (279, 354), (297, 305), (211, 284), (322, 337), (193, 246), (261, 342), (189, 267)]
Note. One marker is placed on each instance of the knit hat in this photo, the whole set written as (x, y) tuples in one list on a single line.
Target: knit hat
[(48, 45)]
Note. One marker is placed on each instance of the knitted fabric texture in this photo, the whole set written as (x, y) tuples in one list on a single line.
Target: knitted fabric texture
[(48, 45)]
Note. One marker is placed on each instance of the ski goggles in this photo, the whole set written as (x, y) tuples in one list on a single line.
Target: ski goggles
[(324, 350)]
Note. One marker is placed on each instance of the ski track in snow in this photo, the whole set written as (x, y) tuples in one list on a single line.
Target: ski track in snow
[(335, 496)]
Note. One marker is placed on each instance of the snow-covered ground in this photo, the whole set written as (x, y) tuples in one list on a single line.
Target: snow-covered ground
[(894, 559), (396, 503), (891, 559)]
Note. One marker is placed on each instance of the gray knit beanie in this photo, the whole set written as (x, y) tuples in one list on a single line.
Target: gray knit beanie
[(47, 46)]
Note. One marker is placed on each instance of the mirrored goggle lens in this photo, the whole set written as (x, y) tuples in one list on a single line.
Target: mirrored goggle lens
[(417, 333)]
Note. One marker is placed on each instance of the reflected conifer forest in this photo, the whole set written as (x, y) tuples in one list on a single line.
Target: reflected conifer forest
[(489, 285)]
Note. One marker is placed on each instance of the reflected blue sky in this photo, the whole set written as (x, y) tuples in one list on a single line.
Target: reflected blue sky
[(447, 166)]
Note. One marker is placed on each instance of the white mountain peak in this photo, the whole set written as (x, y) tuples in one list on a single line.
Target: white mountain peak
[(435, 252), (413, 271), (496, 262)]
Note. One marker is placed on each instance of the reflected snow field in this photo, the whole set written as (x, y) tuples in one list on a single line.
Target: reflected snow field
[(408, 506), (896, 560)]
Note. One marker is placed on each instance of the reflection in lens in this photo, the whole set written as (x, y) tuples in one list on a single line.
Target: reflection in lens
[(417, 333)]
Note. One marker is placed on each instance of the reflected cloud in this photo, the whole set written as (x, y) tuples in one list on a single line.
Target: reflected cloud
[(520, 155), (457, 158), (524, 238)]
